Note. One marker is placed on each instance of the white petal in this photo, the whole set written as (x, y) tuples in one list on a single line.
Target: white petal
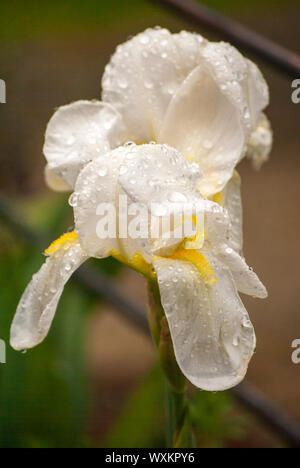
[(260, 143), (54, 182), (203, 123), (38, 304), (202, 98), (233, 204), (159, 173), (78, 133), (257, 91), (146, 175), (239, 79), (246, 280), (144, 74), (160, 178), (96, 186), (212, 335)]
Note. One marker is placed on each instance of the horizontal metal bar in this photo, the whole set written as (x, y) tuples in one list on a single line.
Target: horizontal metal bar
[(241, 36), (269, 413), (101, 287)]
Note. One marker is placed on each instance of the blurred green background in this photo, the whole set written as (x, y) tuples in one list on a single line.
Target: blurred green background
[(94, 381)]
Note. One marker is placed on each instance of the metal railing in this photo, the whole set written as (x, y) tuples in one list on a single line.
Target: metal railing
[(281, 58)]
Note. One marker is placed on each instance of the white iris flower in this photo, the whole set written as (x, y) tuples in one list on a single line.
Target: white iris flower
[(200, 103)]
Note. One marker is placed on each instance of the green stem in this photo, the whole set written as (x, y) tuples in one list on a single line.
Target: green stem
[(176, 406), (178, 426), (169, 415)]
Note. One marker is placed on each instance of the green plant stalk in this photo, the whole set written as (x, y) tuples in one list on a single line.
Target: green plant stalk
[(179, 432)]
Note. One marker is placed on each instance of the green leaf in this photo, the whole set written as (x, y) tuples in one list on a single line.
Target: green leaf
[(141, 424)]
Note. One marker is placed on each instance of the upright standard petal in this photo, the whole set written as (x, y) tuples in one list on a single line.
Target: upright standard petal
[(205, 125), (143, 76), (257, 91), (54, 182), (260, 142), (78, 133), (38, 304), (200, 97), (211, 332)]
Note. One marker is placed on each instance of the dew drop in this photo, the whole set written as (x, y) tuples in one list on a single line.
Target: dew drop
[(246, 323), (71, 140), (73, 200), (207, 144), (123, 170), (102, 172), (144, 39), (148, 85), (177, 197), (159, 210), (123, 83), (236, 341)]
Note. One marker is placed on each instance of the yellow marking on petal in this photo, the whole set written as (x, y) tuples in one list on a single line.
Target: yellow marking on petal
[(190, 158), (68, 238), (137, 263), (236, 175), (219, 198), (197, 241), (118, 256), (202, 264)]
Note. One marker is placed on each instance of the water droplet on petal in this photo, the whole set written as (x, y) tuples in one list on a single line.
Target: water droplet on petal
[(123, 83), (159, 210), (148, 85), (144, 39), (102, 172), (236, 341), (70, 140), (207, 144), (73, 200), (177, 197)]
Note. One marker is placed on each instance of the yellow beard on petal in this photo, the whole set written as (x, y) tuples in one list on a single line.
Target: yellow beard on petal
[(190, 158), (137, 263), (202, 264), (219, 198), (66, 239)]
